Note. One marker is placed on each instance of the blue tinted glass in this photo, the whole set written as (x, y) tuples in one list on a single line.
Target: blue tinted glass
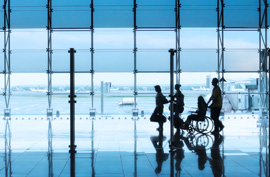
[(113, 16)]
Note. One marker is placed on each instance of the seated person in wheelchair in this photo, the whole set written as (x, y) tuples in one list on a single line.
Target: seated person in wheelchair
[(199, 113)]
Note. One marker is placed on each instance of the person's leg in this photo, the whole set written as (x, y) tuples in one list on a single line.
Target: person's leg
[(214, 116), (219, 123), (160, 122)]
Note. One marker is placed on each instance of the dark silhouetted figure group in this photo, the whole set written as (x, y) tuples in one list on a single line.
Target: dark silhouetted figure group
[(216, 105)]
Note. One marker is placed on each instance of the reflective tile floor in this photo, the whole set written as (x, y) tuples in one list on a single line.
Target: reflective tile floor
[(119, 146)]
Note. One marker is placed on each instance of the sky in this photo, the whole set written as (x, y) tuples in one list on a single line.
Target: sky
[(113, 57)]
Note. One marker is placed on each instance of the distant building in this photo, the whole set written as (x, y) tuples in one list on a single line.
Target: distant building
[(107, 87), (208, 82)]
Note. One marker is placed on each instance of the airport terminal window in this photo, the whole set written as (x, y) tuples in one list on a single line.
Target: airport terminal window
[(117, 97), (198, 38), (29, 94), (117, 45), (113, 38)]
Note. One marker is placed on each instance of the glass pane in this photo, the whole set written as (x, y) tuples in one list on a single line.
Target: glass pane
[(60, 104), (2, 97), (155, 40), (34, 15), (150, 60), (1, 17), (1, 52), (241, 40), (113, 61), (111, 38), (113, 3), (243, 102), (198, 18), (241, 13), (242, 91), (29, 94), (71, 14), (82, 90), (113, 16), (28, 62), (196, 13), (66, 40), (198, 38), (157, 16), (198, 60), (117, 94), (29, 39), (156, 2), (61, 60), (241, 60)]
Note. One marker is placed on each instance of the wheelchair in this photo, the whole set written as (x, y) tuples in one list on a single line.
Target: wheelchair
[(203, 125)]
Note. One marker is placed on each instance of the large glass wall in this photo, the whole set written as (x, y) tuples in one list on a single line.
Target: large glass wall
[(120, 54)]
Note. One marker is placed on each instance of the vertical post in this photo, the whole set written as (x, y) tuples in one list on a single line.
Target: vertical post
[(7, 52), (92, 149), (7, 92), (92, 55), (135, 148), (135, 54), (72, 101), (172, 51), (178, 47), (102, 97)]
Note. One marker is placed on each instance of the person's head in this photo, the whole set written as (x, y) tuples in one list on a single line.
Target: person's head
[(200, 99), (157, 88), (214, 81), (177, 86)]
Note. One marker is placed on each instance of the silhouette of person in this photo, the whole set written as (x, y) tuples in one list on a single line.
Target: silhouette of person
[(216, 105), (216, 161), (179, 108), (200, 150), (179, 153), (199, 113), (157, 142), (157, 114)]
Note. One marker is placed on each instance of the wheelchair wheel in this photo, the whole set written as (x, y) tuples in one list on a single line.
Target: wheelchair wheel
[(205, 126), (190, 129), (204, 140)]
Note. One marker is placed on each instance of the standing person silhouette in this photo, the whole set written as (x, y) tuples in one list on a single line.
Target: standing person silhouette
[(157, 114), (178, 107), (216, 106)]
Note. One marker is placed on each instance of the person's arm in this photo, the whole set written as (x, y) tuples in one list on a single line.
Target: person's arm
[(210, 99)]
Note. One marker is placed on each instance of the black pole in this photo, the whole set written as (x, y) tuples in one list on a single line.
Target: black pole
[(172, 51), (72, 101)]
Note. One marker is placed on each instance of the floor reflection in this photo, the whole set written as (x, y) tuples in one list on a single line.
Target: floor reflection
[(264, 147), (50, 148), (8, 170), (132, 147), (157, 142)]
